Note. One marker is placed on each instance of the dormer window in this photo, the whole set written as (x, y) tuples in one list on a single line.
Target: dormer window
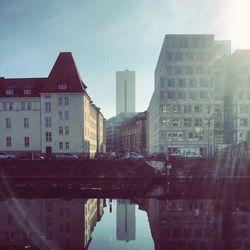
[(9, 92), (62, 86), (27, 91)]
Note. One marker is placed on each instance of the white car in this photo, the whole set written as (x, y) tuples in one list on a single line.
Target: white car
[(6, 156)]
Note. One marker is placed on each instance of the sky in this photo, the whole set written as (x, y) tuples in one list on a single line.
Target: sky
[(106, 36)]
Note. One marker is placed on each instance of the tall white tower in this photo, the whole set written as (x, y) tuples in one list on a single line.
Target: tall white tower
[(125, 91)]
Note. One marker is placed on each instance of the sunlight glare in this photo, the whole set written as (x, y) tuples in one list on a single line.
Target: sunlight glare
[(240, 20)]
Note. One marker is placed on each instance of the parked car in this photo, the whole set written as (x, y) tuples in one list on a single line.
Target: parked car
[(67, 156), (132, 156), (6, 156)]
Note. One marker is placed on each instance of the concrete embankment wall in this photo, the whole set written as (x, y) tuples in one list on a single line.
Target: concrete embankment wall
[(75, 168)]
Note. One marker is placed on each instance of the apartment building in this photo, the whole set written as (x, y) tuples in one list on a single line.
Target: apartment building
[(53, 114), (186, 108), (48, 223), (133, 135)]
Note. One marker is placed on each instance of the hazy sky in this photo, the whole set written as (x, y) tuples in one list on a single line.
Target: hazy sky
[(109, 35)]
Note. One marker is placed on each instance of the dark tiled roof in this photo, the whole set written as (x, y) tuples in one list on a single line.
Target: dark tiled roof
[(18, 85), (64, 71)]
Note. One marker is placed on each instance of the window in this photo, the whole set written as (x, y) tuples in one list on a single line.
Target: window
[(203, 82), (67, 145), (66, 100), (197, 109), (60, 100), (8, 122), (169, 69), (48, 136), (176, 109), (171, 95), (9, 92), (178, 70), (187, 122), (60, 145), (192, 95), (27, 91), (22, 105), (8, 141), (182, 95), (62, 86), (5, 106), (244, 122), (11, 105), (60, 114), (165, 109), (47, 107), (199, 70), (178, 56), (175, 122), (169, 56), (198, 122), (26, 122), (66, 115), (60, 130), (165, 122), (170, 83), (48, 122), (28, 105), (189, 70), (203, 95), (182, 83), (66, 130), (187, 109), (192, 82), (26, 141)]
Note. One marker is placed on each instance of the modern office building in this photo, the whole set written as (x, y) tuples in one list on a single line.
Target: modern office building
[(186, 109), (185, 224), (125, 220), (53, 114), (237, 98), (125, 91)]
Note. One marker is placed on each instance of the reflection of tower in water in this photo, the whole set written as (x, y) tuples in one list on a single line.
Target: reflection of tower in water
[(125, 220)]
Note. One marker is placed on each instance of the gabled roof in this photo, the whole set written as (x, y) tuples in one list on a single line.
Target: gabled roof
[(64, 71)]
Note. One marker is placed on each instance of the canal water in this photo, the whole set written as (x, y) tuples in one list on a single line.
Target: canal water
[(100, 224)]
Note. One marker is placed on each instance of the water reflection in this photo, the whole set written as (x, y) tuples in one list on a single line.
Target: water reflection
[(176, 224), (125, 220), (48, 223)]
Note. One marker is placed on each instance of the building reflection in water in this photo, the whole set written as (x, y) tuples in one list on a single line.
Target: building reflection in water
[(125, 220), (48, 223), (185, 224)]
